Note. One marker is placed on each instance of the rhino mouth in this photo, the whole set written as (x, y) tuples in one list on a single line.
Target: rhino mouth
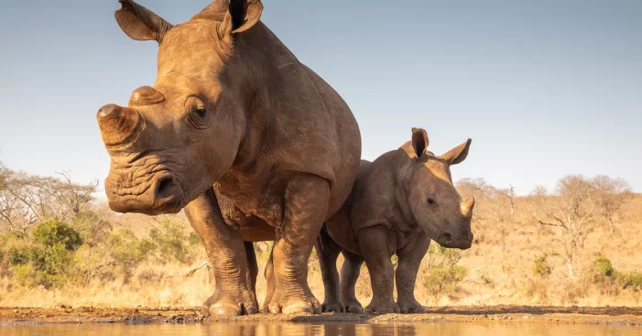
[(462, 242), (160, 193)]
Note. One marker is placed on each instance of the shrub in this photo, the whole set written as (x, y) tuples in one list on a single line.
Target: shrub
[(444, 279), (53, 233), (632, 280), (602, 267), (92, 229), (541, 266), (443, 273), (194, 239), (49, 259), (19, 256), (127, 250), (171, 242)]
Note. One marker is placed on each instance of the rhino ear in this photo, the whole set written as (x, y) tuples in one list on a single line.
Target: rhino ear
[(140, 23), (419, 141), (457, 154), (242, 15)]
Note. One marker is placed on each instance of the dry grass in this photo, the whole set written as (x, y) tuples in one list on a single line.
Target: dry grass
[(499, 270)]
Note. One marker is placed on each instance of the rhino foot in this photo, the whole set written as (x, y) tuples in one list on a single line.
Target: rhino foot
[(335, 307), (382, 307), (294, 304), (410, 307), (229, 306), (352, 306)]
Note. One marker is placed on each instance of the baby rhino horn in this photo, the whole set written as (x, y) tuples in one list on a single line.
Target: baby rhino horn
[(467, 206)]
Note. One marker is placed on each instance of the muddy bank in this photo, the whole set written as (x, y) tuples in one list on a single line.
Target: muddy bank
[(504, 314)]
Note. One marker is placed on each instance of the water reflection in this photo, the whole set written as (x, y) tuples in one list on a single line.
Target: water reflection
[(331, 329)]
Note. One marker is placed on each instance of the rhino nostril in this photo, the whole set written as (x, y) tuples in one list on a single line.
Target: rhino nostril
[(164, 187)]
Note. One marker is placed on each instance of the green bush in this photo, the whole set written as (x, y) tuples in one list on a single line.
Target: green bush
[(541, 266), (602, 267), (49, 259), (604, 272), (93, 229), (19, 256), (444, 279), (632, 280), (127, 250), (171, 242), (194, 239), (53, 233), (443, 273)]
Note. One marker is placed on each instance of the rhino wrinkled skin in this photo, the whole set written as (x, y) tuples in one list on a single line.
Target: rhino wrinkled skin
[(249, 141)]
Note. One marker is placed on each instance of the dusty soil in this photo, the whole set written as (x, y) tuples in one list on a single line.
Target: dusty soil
[(522, 314)]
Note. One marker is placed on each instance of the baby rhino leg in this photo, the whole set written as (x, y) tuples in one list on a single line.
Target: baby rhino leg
[(373, 243), (349, 276), (407, 269), (328, 251)]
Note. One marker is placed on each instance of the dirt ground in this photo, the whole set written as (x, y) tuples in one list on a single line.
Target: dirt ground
[(522, 314)]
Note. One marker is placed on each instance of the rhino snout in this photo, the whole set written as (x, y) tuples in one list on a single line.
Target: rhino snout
[(162, 194), (463, 241)]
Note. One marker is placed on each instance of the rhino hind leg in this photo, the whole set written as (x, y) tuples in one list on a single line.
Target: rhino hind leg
[(328, 252), (306, 202), (349, 276), (252, 270), (226, 252), (406, 276)]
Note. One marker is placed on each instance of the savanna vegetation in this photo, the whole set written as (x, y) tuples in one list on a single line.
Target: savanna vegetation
[(576, 245)]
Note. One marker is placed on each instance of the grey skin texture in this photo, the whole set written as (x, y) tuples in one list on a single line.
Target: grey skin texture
[(398, 204), (250, 142)]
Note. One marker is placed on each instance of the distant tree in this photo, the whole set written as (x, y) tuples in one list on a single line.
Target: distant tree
[(3, 176), (571, 213), (509, 194), (28, 199), (494, 208), (539, 191), (610, 194), (478, 188)]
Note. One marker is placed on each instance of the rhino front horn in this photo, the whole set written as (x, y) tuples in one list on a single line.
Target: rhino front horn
[(117, 124), (467, 206)]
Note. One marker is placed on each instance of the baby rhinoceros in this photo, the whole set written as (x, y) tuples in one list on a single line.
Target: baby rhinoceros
[(398, 204)]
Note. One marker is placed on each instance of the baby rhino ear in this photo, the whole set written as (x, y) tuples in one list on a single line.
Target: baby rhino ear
[(457, 154), (140, 23), (419, 141)]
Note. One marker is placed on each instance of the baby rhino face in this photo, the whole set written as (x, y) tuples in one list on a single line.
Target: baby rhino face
[(433, 200)]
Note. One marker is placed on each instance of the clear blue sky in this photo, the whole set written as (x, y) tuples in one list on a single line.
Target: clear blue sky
[(544, 88)]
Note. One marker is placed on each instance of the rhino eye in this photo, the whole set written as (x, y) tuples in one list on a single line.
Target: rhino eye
[(201, 111), (196, 111), (431, 201), (196, 106)]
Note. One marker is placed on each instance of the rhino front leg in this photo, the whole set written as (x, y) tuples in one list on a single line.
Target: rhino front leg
[(407, 269), (328, 251), (373, 243), (227, 255), (349, 276), (306, 202)]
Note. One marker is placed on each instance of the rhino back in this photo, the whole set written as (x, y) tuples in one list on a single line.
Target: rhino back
[(302, 125)]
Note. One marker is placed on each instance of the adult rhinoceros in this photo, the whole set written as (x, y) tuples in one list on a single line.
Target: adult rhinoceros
[(252, 143)]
